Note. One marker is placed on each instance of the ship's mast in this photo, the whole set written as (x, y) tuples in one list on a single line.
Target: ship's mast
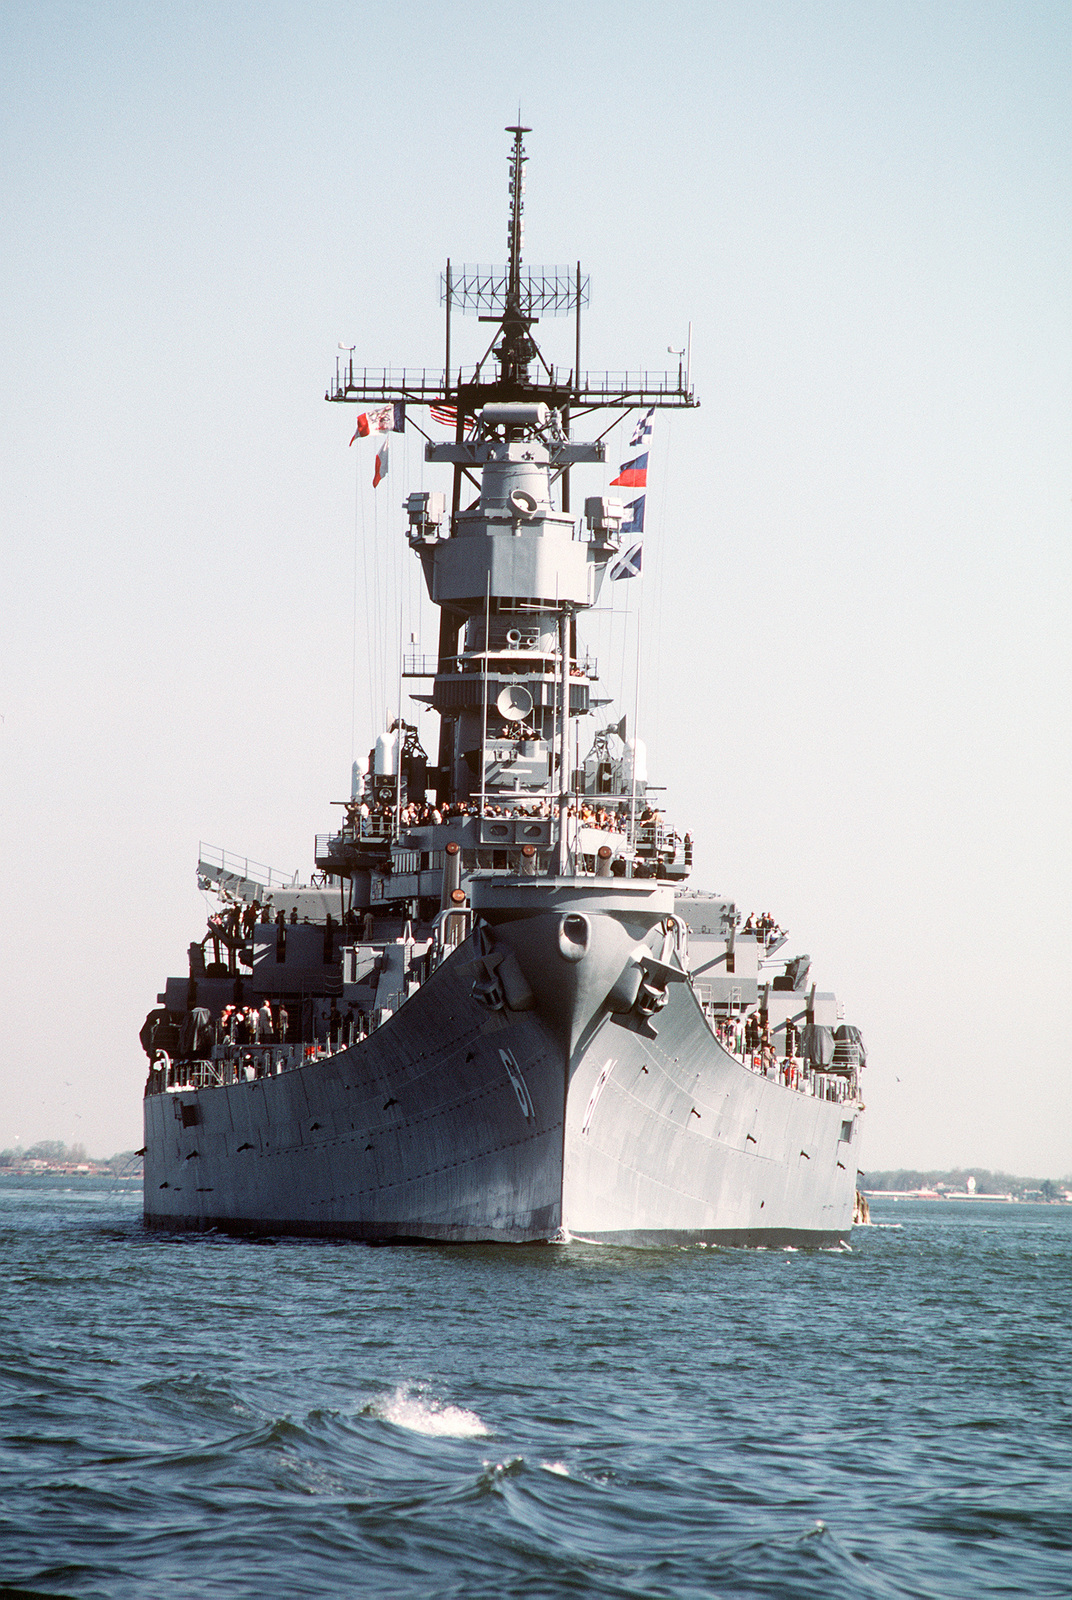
[(510, 570), (516, 235), (515, 350)]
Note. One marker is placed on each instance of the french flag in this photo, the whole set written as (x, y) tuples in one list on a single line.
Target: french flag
[(632, 474)]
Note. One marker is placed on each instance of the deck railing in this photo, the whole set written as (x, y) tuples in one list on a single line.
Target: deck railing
[(428, 386), (214, 861)]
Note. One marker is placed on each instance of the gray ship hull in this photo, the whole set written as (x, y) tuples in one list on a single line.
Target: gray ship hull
[(456, 1122), (415, 1133), (671, 1140)]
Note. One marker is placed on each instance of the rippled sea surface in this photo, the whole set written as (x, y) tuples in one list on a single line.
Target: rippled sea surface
[(199, 1416)]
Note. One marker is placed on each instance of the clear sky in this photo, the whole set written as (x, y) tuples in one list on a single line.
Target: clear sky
[(855, 636)]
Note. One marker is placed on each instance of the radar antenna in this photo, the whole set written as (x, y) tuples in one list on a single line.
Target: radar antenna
[(514, 297)]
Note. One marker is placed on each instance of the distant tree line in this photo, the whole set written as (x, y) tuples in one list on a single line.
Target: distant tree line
[(957, 1178), (58, 1154)]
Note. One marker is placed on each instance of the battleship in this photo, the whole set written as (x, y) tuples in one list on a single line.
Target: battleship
[(496, 1011)]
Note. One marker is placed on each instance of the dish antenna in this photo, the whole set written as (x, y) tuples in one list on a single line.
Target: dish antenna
[(514, 702), (522, 503)]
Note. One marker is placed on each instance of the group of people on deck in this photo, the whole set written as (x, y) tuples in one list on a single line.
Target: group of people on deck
[(240, 1025), (412, 815), (750, 1039)]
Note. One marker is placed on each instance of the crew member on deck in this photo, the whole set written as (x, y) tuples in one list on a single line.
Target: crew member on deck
[(264, 1023)]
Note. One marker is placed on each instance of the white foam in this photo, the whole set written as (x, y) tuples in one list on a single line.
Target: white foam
[(409, 1408), (558, 1467)]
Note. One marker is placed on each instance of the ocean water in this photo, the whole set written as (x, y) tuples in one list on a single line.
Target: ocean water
[(199, 1416)]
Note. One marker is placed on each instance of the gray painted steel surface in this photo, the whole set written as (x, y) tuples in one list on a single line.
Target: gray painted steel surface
[(454, 1122), (561, 1071), (418, 1132)]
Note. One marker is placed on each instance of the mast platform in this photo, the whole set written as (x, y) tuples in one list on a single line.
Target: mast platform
[(430, 385)]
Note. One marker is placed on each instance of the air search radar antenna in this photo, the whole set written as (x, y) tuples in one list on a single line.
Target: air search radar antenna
[(531, 292)]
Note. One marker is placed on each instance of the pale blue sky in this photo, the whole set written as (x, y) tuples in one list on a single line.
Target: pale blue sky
[(857, 583)]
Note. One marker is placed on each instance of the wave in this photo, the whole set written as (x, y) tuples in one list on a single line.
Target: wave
[(408, 1406)]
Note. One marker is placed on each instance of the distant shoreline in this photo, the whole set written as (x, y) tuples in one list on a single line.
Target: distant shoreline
[(11, 1179), (958, 1194), (963, 1183)]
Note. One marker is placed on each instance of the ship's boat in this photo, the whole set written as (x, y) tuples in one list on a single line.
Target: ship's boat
[(496, 1012)]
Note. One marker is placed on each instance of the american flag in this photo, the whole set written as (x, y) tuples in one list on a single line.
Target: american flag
[(447, 416)]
